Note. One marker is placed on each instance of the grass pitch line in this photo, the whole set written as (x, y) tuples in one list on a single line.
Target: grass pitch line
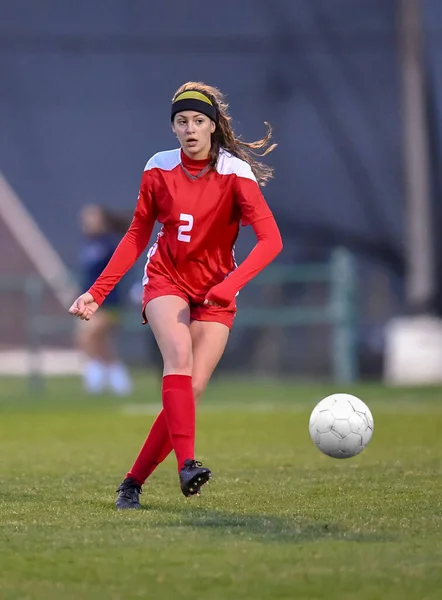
[(282, 407), (212, 407)]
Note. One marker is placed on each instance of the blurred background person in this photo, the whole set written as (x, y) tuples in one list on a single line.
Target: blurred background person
[(103, 369)]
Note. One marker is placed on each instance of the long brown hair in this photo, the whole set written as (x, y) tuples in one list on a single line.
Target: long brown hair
[(224, 136)]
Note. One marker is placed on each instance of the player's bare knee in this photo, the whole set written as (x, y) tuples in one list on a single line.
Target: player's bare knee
[(198, 387), (179, 357)]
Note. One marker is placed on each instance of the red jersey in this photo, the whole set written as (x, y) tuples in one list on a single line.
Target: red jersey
[(200, 211)]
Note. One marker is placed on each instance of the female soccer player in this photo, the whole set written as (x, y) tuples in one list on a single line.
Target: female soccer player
[(102, 367), (200, 193)]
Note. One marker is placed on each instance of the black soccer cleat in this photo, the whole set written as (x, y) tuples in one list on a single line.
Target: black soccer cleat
[(128, 494), (192, 476)]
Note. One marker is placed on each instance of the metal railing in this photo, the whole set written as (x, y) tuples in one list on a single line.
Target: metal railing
[(339, 311)]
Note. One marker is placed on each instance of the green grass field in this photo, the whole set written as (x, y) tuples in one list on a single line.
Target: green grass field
[(279, 519)]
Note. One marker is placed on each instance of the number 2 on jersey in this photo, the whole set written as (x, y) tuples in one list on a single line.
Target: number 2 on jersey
[(183, 230)]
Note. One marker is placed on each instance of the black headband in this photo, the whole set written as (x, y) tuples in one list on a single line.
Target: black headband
[(193, 100)]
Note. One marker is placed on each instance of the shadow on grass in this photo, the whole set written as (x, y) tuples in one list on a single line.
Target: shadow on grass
[(293, 529), (270, 528)]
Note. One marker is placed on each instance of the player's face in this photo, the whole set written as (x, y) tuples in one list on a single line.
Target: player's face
[(92, 220), (194, 131)]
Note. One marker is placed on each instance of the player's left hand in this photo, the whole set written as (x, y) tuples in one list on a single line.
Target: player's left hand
[(220, 296), (210, 303)]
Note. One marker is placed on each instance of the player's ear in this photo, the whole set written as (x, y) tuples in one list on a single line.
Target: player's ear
[(212, 127)]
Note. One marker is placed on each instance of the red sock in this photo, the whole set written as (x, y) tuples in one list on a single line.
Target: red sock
[(156, 448), (179, 408)]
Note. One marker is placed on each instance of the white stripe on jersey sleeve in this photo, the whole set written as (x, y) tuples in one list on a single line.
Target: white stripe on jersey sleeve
[(231, 165), (166, 161)]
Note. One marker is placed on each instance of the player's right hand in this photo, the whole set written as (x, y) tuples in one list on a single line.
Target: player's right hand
[(84, 307)]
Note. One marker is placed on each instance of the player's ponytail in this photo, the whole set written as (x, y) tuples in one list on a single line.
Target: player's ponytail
[(224, 136)]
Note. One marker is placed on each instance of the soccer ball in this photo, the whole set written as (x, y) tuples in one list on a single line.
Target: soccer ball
[(341, 425)]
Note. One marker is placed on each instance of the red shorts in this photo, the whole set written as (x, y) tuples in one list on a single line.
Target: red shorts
[(198, 312)]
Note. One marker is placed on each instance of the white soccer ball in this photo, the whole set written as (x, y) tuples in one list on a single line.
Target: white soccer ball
[(341, 425)]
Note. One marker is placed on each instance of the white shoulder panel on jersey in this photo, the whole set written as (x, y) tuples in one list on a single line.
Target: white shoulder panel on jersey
[(166, 161), (231, 165)]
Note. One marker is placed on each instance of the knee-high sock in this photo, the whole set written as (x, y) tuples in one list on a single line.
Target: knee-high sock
[(179, 409), (155, 449)]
